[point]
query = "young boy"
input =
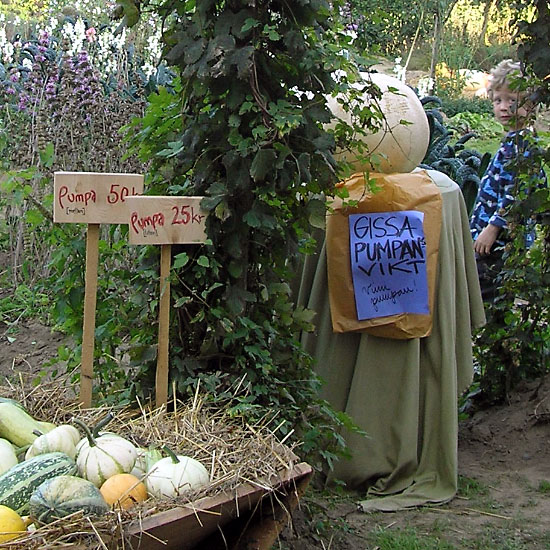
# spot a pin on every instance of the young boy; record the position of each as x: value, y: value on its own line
x: 498, y: 186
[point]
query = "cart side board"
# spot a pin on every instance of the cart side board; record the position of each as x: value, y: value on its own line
x: 183, y: 528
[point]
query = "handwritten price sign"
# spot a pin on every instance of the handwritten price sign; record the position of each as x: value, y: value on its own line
x: 166, y: 220
x: 91, y: 197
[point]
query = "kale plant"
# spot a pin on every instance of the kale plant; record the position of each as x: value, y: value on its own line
x: 464, y: 166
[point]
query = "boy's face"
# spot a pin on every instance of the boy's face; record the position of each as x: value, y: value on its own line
x: 511, y: 108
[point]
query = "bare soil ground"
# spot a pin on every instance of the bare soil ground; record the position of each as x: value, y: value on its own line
x: 504, y: 491
x: 504, y: 468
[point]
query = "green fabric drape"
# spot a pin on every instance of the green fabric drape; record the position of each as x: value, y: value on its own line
x: 403, y: 393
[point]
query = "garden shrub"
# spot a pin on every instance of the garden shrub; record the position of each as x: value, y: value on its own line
x: 66, y: 93
x: 247, y: 133
x: 464, y: 166
x: 453, y: 106
x: 514, y: 344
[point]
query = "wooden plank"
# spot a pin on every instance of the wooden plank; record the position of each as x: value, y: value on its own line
x: 88, y: 329
x: 166, y: 220
x: 94, y: 197
x: 183, y: 528
x: 268, y: 522
x: 161, y: 382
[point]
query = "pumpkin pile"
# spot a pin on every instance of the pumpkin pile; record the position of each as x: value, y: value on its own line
x: 64, y: 472
x: 113, y: 467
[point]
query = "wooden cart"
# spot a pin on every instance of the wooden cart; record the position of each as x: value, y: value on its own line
x: 249, y: 519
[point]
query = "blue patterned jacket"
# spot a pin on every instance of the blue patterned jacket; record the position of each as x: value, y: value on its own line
x: 497, y: 188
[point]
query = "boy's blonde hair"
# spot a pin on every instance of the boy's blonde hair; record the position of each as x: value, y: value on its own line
x: 500, y: 75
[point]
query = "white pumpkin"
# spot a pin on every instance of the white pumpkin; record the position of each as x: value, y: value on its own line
x: 99, y: 458
x: 397, y: 147
x: 8, y: 458
x: 62, y: 439
x: 174, y: 476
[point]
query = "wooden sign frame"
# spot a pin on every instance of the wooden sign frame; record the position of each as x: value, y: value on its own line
x: 92, y: 198
x: 165, y: 220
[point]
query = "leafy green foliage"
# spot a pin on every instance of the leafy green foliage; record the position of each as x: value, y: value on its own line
x: 21, y: 8
x: 513, y: 346
x: 245, y: 131
x: 464, y: 166
x: 533, y: 37
x: 385, y: 26
x: 534, y: 47
x: 480, y: 124
x: 453, y: 106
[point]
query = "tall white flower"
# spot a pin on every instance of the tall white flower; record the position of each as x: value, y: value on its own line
x: 6, y: 47
x: 399, y: 70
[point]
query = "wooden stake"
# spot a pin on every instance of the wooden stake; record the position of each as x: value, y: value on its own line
x: 88, y: 329
x: 161, y: 382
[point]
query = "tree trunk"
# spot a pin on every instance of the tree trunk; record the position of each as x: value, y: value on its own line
x: 485, y: 24
x: 435, y: 49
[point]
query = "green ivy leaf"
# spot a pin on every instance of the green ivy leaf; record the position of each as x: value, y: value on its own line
x: 271, y: 32
x: 250, y: 24
x: 234, y: 121
x: 304, y: 161
x: 252, y: 219
x: 262, y: 164
x: 316, y: 212
x: 235, y: 269
x: 180, y: 260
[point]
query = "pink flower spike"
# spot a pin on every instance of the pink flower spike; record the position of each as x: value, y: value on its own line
x: 91, y: 34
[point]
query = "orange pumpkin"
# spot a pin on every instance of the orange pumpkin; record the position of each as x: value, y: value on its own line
x: 123, y: 490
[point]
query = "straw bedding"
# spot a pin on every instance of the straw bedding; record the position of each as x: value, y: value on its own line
x: 233, y: 451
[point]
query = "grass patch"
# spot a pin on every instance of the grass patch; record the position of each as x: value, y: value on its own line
x: 469, y: 487
x: 485, y: 145
x: 502, y: 539
x: 410, y: 539
x: 544, y: 487
x: 23, y: 303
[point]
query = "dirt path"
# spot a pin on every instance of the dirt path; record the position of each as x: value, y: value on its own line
x: 503, y: 501
x: 26, y: 348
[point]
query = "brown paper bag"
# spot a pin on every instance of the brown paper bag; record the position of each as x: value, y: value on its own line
x: 392, y: 192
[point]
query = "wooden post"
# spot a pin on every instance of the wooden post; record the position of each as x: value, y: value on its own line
x: 88, y: 330
x: 165, y: 220
x: 92, y: 198
x: 161, y: 382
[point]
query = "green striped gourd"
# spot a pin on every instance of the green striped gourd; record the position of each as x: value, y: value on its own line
x: 19, y: 482
x: 64, y: 495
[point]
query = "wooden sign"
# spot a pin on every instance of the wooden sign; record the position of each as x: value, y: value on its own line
x: 92, y: 197
x: 166, y: 220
